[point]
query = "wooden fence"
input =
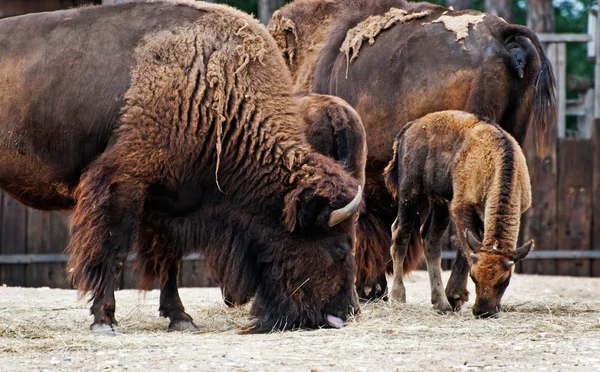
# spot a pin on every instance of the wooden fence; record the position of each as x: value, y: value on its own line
x: 564, y: 219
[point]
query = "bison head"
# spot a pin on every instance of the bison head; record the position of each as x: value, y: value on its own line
x: 308, y: 282
x: 491, y: 269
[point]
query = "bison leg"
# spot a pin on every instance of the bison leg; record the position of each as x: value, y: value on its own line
x: 456, y: 288
x: 439, y: 220
x: 103, y: 223
x: 170, y: 303
x: 401, y: 232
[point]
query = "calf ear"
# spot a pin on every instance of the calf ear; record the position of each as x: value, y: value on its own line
x: 523, y: 251
x: 472, y: 241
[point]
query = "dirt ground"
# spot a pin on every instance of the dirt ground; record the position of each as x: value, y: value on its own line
x: 549, y: 324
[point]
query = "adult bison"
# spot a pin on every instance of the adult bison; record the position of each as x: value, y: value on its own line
x: 396, y: 61
x: 176, y: 115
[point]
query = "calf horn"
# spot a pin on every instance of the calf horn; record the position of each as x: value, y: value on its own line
x: 342, y: 214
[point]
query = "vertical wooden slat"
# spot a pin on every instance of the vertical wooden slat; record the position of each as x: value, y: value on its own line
x: 575, y: 203
x: 47, y: 233
x: 540, y: 221
x: 59, y: 239
x: 596, y: 197
x: 560, y: 71
x: 13, y: 239
x: 195, y: 274
x: 38, y: 242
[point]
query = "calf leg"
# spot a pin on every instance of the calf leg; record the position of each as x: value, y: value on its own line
x: 170, y: 303
x: 456, y: 289
x: 439, y: 220
x: 401, y: 232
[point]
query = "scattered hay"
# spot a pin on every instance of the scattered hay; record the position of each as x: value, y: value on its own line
x: 371, y: 27
x: 460, y: 24
x: 550, y: 316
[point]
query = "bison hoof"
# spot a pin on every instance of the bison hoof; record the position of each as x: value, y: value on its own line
x: 398, y: 294
x: 457, y: 300
x: 183, y: 326
x: 444, y: 308
x: 105, y: 329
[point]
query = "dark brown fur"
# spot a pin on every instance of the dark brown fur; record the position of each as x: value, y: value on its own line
x: 411, y: 69
x: 452, y: 164
x: 179, y: 127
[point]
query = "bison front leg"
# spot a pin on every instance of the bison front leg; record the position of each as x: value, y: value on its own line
x: 464, y: 217
x: 103, y: 224
x: 438, y: 222
x: 170, y: 303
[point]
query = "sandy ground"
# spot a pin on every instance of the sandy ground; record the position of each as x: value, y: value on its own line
x: 549, y: 324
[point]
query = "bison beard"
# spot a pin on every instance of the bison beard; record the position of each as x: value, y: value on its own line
x: 178, y: 129
x: 395, y: 61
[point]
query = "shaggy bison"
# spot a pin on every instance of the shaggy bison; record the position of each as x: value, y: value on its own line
x: 452, y: 164
x: 175, y: 118
x: 396, y: 61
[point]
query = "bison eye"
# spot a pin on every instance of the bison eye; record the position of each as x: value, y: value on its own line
x: 339, y: 253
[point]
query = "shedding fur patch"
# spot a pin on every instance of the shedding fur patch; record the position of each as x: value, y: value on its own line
x: 253, y: 47
x: 460, y: 24
x: 371, y: 27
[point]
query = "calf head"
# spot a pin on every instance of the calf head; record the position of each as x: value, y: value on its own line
x: 309, y: 282
x: 491, y: 270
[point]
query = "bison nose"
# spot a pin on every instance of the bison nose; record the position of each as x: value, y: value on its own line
x: 485, y: 313
x: 339, y: 253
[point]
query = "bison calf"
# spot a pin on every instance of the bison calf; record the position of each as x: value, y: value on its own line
x: 455, y: 164
x: 180, y: 125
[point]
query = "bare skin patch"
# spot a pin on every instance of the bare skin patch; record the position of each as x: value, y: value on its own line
x: 371, y: 27
x: 460, y: 24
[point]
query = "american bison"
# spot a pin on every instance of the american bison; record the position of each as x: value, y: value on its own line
x: 396, y: 61
x: 176, y: 117
x: 332, y: 128
x: 452, y: 164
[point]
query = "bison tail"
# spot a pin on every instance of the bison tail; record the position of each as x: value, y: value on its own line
x: 414, y: 254
x: 391, y: 173
x: 544, y: 111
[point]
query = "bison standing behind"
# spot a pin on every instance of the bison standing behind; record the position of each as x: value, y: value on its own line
x: 178, y: 125
x: 395, y: 61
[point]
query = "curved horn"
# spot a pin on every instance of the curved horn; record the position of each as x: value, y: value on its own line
x: 342, y: 214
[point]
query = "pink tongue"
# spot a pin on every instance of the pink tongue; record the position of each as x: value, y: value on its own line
x: 335, y: 322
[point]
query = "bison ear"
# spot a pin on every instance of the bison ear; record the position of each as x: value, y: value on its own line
x: 303, y: 209
x: 523, y: 251
x: 284, y: 32
x: 472, y: 241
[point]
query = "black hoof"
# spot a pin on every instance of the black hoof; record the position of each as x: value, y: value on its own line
x: 105, y: 329
x: 183, y: 326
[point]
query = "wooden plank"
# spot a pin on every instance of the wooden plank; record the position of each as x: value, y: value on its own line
x: 575, y: 203
x: 540, y: 221
x: 47, y: 234
x: 38, y: 242
x: 564, y: 38
x: 13, y: 237
x: 195, y: 274
x: 596, y: 196
x: 560, y: 69
x: 60, y: 233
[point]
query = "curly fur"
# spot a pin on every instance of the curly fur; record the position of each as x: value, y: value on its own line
x: 313, y: 31
x: 181, y: 128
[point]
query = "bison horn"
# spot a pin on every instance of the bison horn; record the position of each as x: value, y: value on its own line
x: 342, y: 214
